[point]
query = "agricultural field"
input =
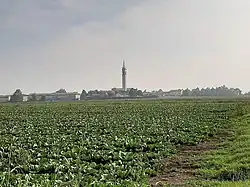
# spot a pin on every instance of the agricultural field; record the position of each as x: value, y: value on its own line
x: 101, y: 143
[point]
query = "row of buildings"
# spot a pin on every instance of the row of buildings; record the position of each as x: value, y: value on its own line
x: 69, y: 96
x: 114, y: 93
x: 62, y: 95
x: 120, y: 93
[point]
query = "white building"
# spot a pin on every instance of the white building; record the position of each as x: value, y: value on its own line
x: 173, y: 93
x: 4, y: 98
x: 70, y: 96
x: 25, y: 98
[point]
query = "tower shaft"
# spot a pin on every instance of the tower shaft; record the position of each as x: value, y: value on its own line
x: 124, y: 74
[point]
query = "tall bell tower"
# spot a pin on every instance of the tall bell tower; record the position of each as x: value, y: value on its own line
x: 124, y: 74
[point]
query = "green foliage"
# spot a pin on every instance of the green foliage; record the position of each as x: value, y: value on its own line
x: 218, y: 91
x: 61, y: 91
x: 186, y: 92
x: 139, y: 93
x: 83, y: 95
x: 99, y: 143
x: 43, y: 98
x: 133, y: 92
x: 229, y: 165
x: 17, y: 96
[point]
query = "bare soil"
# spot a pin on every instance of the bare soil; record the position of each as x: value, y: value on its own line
x: 181, y: 167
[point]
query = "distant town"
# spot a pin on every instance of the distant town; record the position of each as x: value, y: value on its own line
x: 121, y: 93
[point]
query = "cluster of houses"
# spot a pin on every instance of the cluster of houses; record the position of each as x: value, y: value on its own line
x: 173, y: 93
x: 115, y: 93
x: 6, y: 98
x: 69, y: 96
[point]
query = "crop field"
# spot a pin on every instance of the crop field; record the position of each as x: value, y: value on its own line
x: 100, y: 143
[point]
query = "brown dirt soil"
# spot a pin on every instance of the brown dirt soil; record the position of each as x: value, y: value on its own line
x: 181, y: 167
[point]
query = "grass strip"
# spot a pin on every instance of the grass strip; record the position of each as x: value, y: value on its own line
x: 229, y: 165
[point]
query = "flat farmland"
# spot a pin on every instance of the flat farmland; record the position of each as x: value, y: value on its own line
x: 106, y: 143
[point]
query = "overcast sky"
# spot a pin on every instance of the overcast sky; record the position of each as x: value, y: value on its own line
x: 74, y: 44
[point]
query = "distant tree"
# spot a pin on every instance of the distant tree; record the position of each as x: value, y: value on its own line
x: 237, y: 91
x: 114, y: 90
x: 218, y: 91
x: 103, y: 94
x: 213, y: 92
x: 43, y: 98
x: 61, y: 91
x: 17, y: 96
x: 33, y: 97
x: 203, y: 92
x: 223, y: 91
x: 90, y: 93
x: 139, y: 93
x: 207, y: 92
x: 111, y: 94
x: 186, y: 92
x: 133, y: 92
x: 196, y: 92
x: 247, y: 93
x: 83, y: 95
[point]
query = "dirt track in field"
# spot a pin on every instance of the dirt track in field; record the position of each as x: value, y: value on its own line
x: 182, y: 167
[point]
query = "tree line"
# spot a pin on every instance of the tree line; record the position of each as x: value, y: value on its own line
x: 134, y: 92
x: 218, y: 91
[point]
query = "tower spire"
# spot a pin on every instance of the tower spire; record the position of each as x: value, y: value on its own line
x: 123, y: 64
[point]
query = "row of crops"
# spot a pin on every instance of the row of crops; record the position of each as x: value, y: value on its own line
x: 99, y: 143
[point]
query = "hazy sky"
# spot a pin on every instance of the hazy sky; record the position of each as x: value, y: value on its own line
x: 74, y: 44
